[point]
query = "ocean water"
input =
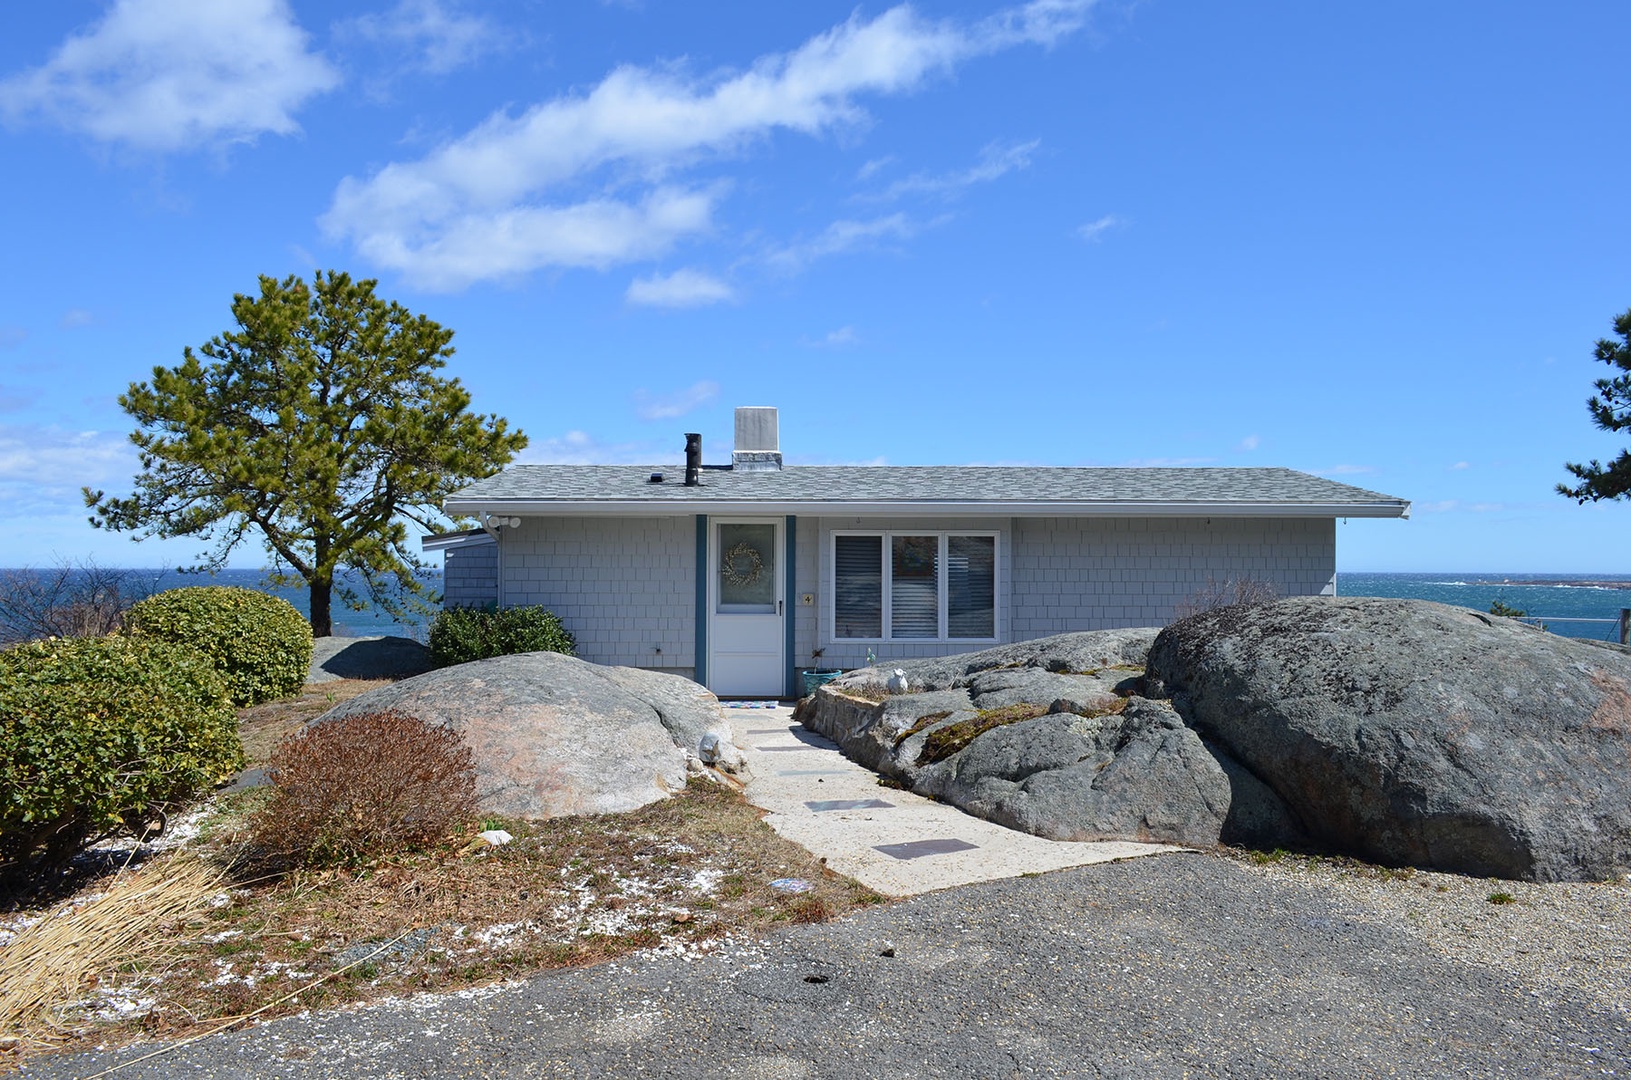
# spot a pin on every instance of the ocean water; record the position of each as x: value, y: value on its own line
x: 347, y: 623
x: 1574, y: 605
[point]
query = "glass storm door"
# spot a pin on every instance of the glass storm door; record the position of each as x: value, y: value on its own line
x: 746, y: 609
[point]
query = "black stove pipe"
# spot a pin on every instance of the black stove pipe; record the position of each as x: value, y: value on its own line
x: 693, y: 458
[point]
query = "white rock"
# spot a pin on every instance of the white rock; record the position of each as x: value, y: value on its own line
x: 708, y: 749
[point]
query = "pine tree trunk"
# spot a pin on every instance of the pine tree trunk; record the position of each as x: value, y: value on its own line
x: 322, y: 597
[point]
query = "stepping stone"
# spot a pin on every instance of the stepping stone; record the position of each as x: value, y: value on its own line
x: 917, y: 849
x: 784, y: 749
x: 768, y: 731
x: 849, y: 804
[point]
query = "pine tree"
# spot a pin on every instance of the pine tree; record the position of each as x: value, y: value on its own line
x: 1611, y: 411
x: 318, y: 425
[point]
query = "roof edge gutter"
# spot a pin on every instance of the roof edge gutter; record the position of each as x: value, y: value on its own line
x: 1391, y: 508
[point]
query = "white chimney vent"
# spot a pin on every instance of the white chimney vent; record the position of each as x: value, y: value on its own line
x: 758, y: 441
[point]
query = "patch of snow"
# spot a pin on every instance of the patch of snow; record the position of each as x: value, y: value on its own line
x: 423, y: 1002
x: 612, y: 923
x: 118, y: 1003
x: 504, y: 933
x: 13, y: 925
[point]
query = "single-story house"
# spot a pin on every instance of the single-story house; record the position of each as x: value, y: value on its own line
x: 740, y: 575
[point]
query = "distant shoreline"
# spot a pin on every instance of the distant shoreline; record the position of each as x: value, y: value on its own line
x: 1553, y: 582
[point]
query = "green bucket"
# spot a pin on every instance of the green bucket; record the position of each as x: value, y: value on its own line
x: 815, y: 680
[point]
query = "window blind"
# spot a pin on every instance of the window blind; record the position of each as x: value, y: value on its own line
x: 858, y: 586
x: 914, y: 608
x: 971, y: 586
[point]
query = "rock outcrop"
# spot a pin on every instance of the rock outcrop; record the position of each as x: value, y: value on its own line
x: 390, y: 657
x: 1042, y: 736
x: 1400, y: 731
x: 553, y: 735
x: 1412, y: 733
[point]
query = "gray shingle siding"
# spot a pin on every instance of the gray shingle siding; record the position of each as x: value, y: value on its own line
x: 470, y: 576
x: 1101, y: 573
x: 624, y: 587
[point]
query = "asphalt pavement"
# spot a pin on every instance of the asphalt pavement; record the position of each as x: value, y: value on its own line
x: 1184, y: 965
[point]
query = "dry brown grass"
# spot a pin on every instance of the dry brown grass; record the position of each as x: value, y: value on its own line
x: 688, y: 874
x: 262, y: 727
x: 680, y: 874
x: 51, y: 967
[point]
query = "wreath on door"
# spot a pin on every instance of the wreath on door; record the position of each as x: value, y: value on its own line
x: 743, y: 565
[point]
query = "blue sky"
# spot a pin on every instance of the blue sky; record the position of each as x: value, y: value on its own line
x: 1370, y: 241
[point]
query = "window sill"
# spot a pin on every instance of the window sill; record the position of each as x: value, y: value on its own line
x: 913, y: 641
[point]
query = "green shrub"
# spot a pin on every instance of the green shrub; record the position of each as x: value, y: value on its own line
x: 459, y: 635
x: 99, y: 735
x: 260, y: 644
x: 364, y: 785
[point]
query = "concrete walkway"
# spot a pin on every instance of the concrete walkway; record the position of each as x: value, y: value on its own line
x: 895, y: 842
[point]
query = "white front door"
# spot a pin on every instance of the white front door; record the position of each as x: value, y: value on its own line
x: 745, y: 600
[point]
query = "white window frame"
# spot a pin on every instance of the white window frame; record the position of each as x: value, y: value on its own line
x: 941, y: 563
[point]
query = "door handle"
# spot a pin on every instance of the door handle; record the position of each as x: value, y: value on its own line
x: 778, y: 607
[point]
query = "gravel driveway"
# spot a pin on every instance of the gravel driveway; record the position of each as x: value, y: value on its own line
x: 1178, y: 965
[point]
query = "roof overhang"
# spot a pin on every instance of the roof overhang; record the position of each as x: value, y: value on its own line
x: 449, y: 541
x: 920, y: 508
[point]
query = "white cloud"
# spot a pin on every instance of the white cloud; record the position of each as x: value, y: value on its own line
x: 74, y: 318
x: 1456, y: 506
x: 844, y: 236
x: 816, y: 459
x: 439, y: 39
x: 44, y: 467
x: 995, y: 161
x: 581, y: 448
x: 1461, y: 465
x: 1249, y: 443
x: 873, y: 167
x: 484, y: 194
x: 681, y: 289
x: 679, y: 403
x: 1168, y: 462
x: 513, y: 240
x: 1094, y: 231
x: 166, y: 75
x: 1345, y: 470
x: 843, y: 337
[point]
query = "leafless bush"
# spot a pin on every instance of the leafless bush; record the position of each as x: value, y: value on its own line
x: 69, y: 600
x: 362, y: 786
x: 1227, y: 593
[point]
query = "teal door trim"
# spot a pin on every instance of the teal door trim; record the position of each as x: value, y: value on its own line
x: 702, y: 600
x: 792, y: 689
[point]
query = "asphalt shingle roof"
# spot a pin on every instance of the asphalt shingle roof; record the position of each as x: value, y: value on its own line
x: 841, y: 484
